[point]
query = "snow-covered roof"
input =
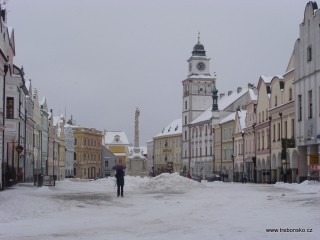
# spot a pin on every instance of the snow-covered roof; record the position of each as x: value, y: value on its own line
x: 173, y: 128
x: 10, y: 31
x: 223, y: 103
x: 116, y: 137
x: 266, y: 78
x: 200, y: 76
x: 57, y: 119
x: 253, y: 95
x: 28, y: 85
x: 242, y: 119
x: 228, y: 118
x: 269, y: 79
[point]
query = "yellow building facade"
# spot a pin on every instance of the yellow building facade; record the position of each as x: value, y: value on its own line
x: 117, y: 143
x: 88, y: 149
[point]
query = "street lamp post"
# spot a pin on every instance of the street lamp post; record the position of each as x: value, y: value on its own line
x: 232, y: 157
x: 255, y: 154
x: 270, y: 118
x: 283, y: 156
x: 242, y: 154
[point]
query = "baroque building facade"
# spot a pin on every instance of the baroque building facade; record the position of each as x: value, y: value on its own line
x: 88, y: 142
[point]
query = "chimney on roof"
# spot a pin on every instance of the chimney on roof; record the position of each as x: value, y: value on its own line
x: 239, y: 89
x: 229, y: 93
x: 222, y: 95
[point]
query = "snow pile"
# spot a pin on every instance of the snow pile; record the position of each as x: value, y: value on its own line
x: 305, y: 187
x: 169, y: 182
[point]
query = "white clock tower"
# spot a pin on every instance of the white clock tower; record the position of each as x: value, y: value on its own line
x: 197, y: 95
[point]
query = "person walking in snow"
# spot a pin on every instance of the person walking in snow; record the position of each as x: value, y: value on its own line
x: 244, y: 178
x: 120, y: 182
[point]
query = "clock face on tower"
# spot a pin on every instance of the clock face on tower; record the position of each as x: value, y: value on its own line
x: 201, y: 66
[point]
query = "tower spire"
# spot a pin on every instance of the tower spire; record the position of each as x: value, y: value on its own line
x: 198, y: 37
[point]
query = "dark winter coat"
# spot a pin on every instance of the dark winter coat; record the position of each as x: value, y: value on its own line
x: 120, y: 177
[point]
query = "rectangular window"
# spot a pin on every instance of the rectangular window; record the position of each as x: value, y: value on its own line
x: 185, y: 135
x: 310, y: 103
x: 309, y: 54
x: 290, y: 94
x: 292, y: 128
x: 279, y: 130
x: 185, y: 120
x: 185, y: 105
x: 106, y: 163
x: 274, y: 132
x: 10, y: 107
x: 285, y: 129
x: 299, y: 107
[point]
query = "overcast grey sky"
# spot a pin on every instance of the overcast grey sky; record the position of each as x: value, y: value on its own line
x: 101, y: 59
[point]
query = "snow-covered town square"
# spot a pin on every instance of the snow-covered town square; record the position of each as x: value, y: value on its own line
x: 158, y: 120
x: 165, y: 207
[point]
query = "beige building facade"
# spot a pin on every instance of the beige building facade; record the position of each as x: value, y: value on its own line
x: 88, y: 142
x: 168, y: 148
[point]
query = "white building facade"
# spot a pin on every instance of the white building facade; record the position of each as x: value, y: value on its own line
x: 307, y: 93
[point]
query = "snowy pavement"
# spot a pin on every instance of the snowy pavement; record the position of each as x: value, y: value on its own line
x: 165, y: 207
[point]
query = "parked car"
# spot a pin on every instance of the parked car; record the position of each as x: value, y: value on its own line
x: 196, y: 178
x: 213, y: 178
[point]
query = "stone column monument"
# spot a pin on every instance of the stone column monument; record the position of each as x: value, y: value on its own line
x: 137, y: 161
